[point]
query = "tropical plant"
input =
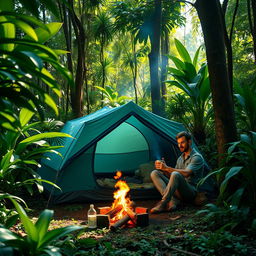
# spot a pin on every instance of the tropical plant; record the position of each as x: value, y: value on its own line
x: 246, y: 106
x: 22, y: 64
x: 38, y: 240
x: 142, y: 20
x: 21, y: 150
x: 111, y: 97
x: 227, y: 217
x: 24, y: 86
x: 216, y: 243
x: 195, y: 86
x: 8, y: 217
x: 103, y: 32
x: 237, y: 178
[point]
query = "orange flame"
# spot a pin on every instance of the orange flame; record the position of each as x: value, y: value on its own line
x: 120, y: 196
x: 118, y: 175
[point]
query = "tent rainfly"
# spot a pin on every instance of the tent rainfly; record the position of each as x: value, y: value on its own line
x: 108, y: 140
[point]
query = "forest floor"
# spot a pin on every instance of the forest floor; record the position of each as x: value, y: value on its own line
x: 182, y: 232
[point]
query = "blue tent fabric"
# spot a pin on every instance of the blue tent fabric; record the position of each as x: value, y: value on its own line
x: 76, y: 171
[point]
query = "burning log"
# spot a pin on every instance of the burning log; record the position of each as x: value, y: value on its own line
x: 120, y: 223
x: 131, y: 214
x: 114, y: 211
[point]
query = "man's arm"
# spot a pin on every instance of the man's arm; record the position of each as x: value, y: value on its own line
x: 196, y: 163
x: 163, y: 167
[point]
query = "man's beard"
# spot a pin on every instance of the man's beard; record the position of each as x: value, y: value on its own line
x: 184, y: 149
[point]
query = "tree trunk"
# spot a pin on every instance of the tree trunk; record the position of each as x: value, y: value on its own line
x: 212, y: 26
x: 65, y: 14
x: 228, y: 44
x: 103, y: 69
x: 77, y: 92
x: 135, y: 70
x: 164, y: 64
x: 224, y: 6
x: 154, y: 58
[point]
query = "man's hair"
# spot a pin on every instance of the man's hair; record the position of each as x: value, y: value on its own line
x: 185, y: 134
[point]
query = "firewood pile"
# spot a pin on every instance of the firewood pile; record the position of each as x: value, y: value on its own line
x: 131, y: 217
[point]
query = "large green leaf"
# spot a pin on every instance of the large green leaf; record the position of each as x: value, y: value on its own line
x: 44, y: 35
x: 43, y: 223
x: 37, y: 181
x: 6, y: 31
x: 34, y: 59
x: 231, y: 173
x: 178, y: 63
x: 174, y: 71
x: 23, y: 97
x: 189, y: 71
x: 23, y: 44
x: 57, y: 233
x: 182, y: 51
x: 195, y: 60
x: 38, y: 152
x: 25, y: 116
x: 4, y: 163
x: 22, y: 25
x: 51, y: 103
x: 28, y: 141
x: 205, y: 90
x: 179, y: 85
x: 27, y: 223
x: 236, y: 197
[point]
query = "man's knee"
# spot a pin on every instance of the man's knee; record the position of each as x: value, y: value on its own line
x: 176, y: 175
x: 154, y: 174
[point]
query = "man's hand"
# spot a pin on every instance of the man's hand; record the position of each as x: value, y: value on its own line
x: 160, y: 165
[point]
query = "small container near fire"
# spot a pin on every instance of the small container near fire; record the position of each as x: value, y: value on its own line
x: 92, y: 217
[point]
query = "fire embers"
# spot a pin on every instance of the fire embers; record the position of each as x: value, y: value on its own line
x: 123, y: 212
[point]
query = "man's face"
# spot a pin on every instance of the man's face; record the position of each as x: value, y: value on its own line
x: 183, y: 144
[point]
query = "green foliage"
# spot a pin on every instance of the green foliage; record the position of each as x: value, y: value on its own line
x: 22, y: 65
x: 242, y: 42
x: 33, y: 6
x: 8, y: 217
x: 229, y: 217
x: 137, y: 17
x: 237, y: 185
x: 196, y: 98
x: 246, y: 106
x: 216, y: 243
x: 25, y: 86
x: 102, y: 28
x: 237, y: 178
x: 21, y: 152
x: 38, y: 240
x: 111, y: 97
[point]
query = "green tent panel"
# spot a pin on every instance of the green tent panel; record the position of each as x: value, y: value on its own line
x: 125, y: 148
x: 108, y: 140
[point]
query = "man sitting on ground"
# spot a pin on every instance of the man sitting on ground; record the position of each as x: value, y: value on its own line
x: 179, y: 183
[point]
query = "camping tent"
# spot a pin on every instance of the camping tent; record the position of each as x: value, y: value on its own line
x: 110, y: 139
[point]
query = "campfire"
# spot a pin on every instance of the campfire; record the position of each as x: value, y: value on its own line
x: 123, y: 212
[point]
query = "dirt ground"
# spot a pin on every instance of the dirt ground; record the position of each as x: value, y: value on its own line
x: 78, y: 212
